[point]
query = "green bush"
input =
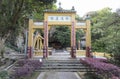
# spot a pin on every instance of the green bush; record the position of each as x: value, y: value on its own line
x: 91, y: 76
x: 3, y: 75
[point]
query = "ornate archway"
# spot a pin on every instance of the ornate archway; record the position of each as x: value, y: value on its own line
x: 60, y: 17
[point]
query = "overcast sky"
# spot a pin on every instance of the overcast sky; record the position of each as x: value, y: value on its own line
x: 84, y: 6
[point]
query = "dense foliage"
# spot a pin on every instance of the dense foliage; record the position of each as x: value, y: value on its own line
x: 61, y: 35
x: 105, y: 29
x: 106, y: 32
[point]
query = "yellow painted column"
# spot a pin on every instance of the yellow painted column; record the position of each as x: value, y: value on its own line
x: 88, y: 38
x: 88, y: 34
x: 30, y: 38
x: 35, y: 40
x: 30, y: 33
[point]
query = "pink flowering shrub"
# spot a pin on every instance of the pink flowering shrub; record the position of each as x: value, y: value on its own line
x: 101, y: 66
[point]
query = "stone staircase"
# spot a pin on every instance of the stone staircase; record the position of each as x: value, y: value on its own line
x: 62, y: 62
x: 62, y: 66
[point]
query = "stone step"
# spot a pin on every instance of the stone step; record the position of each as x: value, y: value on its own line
x: 57, y: 64
x: 65, y: 64
x: 65, y: 70
x: 62, y: 60
x: 62, y: 63
x: 68, y: 65
x: 63, y: 67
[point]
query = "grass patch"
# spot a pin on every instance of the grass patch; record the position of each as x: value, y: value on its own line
x: 91, y: 76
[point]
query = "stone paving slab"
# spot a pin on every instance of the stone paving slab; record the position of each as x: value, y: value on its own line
x: 58, y: 75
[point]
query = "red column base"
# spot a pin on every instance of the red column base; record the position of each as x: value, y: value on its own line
x: 88, y: 52
x: 29, y: 51
x: 45, y: 52
x: 73, y: 52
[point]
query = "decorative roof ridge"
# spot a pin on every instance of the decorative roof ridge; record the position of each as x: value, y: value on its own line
x: 60, y: 10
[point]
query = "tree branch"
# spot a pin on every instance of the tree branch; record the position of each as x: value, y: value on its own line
x: 15, y: 17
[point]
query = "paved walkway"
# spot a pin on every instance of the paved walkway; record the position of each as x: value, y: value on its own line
x: 58, y: 75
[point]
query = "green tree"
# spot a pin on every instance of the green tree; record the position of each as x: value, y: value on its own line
x: 112, y: 36
x: 106, y: 32
x: 62, y: 35
x: 98, y: 29
x: 14, y: 15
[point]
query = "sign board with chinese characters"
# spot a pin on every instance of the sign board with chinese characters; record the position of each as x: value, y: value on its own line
x: 60, y: 18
